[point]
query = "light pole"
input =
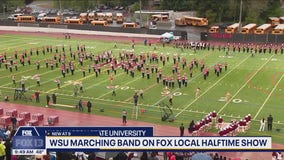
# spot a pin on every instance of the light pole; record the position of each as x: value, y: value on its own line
x: 4, y: 9
x: 60, y: 5
x: 240, y: 18
x: 140, y: 4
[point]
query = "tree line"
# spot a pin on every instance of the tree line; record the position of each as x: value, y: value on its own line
x: 253, y: 11
x: 217, y: 11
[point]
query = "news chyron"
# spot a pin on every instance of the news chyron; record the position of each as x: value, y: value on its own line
x: 31, y: 140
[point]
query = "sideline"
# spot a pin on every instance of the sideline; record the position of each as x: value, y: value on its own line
x: 73, y: 31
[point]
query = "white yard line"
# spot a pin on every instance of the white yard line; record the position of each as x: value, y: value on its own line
x: 203, y: 93
x: 267, y: 98
x: 226, y: 104
x: 34, y: 79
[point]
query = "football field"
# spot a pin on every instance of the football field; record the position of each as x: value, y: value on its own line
x: 255, y: 84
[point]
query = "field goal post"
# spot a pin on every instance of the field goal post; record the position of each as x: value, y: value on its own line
x: 135, y: 111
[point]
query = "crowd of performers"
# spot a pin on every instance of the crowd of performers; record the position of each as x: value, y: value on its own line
x: 234, y: 126
x: 261, y: 48
x: 149, y: 64
x: 225, y: 129
x: 146, y: 63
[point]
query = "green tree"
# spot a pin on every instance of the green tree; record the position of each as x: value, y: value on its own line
x: 135, y: 7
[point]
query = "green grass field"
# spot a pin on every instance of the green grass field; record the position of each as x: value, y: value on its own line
x: 255, y: 83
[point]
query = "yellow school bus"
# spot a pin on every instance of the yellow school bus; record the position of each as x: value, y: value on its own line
x: 249, y: 28
x: 74, y: 21
x: 281, y: 20
x: 180, y: 22
x: 91, y: 16
x: 26, y: 19
x: 159, y: 17
x: 84, y: 17
x: 279, y: 29
x: 263, y: 29
x: 119, y: 18
x: 100, y: 16
x: 274, y: 21
x: 214, y: 29
x: 129, y: 25
x: 99, y: 23
x: 108, y: 17
x: 54, y: 20
x: 232, y: 28
x: 196, y: 21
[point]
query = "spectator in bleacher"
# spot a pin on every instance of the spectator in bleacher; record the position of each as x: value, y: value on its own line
x: 14, y: 121
x: 2, y: 150
x: 92, y: 156
x: 173, y: 156
x: 144, y: 156
x: 120, y: 156
x: 153, y: 156
x: 8, y: 145
x: 216, y: 156
x: 8, y: 131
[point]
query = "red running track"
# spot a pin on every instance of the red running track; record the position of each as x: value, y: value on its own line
x: 69, y: 118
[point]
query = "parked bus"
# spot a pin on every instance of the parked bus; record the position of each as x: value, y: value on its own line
x: 74, y: 21
x: 180, y: 22
x: 249, y: 28
x: 119, y: 18
x: 100, y: 16
x: 274, y: 21
x: 108, y: 17
x: 279, y: 29
x: 263, y: 29
x: 51, y: 20
x: 232, y: 28
x: 129, y: 25
x: 91, y: 16
x: 99, y: 23
x: 26, y: 19
x: 281, y: 20
x: 195, y: 21
x: 159, y: 17
x: 214, y: 29
x: 84, y: 17
x: 14, y: 16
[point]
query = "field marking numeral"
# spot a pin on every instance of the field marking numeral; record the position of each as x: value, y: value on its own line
x: 236, y: 100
